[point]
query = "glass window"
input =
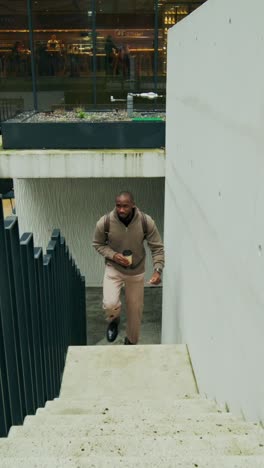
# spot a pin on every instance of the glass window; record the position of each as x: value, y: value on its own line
x: 64, y: 53
x: 125, y: 48
x: 15, y: 59
x: 86, y: 51
x: 170, y: 13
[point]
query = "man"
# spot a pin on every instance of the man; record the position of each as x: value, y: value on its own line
x: 110, y: 55
x: 53, y: 43
x: 118, y: 237
x: 53, y: 49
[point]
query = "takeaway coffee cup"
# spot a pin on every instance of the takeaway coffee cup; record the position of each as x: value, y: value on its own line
x: 128, y: 255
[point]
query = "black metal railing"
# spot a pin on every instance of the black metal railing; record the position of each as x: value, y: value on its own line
x: 42, y: 312
x: 9, y: 108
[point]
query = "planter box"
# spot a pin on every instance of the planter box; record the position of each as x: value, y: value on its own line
x: 83, y: 135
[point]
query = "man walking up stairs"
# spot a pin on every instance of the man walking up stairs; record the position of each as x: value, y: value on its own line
x: 130, y: 407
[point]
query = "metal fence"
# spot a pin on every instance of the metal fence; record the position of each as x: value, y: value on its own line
x: 42, y: 312
x: 10, y: 108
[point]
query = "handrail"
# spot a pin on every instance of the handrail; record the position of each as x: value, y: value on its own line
x: 42, y: 312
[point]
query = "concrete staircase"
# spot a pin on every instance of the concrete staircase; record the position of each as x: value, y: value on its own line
x: 132, y: 406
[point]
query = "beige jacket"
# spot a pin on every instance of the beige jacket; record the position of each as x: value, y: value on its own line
x: 122, y: 238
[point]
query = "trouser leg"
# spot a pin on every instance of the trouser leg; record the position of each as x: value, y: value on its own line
x: 134, y: 291
x: 112, y: 285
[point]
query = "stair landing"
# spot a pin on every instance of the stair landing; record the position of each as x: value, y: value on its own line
x: 156, y: 371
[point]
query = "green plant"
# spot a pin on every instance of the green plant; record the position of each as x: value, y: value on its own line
x: 81, y: 115
x: 80, y: 112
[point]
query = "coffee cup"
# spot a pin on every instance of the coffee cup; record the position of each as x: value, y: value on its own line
x: 128, y: 255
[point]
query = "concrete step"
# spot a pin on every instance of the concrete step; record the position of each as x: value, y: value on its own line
x: 133, y: 407
x: 97, y: 420
x: 146, y: 428
x: 140, y: 411
x: 179, y: 446
x: 154, y: 370
x: 90, y: 420
x: 117, y: 400
x: 132, y: 462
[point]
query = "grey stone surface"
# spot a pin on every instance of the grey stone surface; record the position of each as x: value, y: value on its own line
x: 132, y: 406
x: 127, y: 372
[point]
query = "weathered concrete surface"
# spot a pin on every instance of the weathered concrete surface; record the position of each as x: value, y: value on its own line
x: 132, y: 406
x: 142, y: 371
x: 82, y: 163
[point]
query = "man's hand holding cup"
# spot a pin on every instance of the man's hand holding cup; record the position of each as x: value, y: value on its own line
x: 122, y: 259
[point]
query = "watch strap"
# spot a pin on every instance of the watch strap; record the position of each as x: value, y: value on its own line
x: 159, y: 270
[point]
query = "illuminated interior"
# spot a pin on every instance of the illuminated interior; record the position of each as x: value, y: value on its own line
x: 87, y: 48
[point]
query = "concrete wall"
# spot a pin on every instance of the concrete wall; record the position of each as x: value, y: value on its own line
x: 214, y: 237
x: 74, y: 205
x: 60, y: 164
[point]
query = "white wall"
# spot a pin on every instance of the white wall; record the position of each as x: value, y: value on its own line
x: 213, y: 284
x: 75, y: 205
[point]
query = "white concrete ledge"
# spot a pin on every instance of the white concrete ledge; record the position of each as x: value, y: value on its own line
x: 78, y: 163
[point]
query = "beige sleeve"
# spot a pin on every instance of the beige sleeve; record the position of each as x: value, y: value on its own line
x: 99, y: 241
x: 155, y: 244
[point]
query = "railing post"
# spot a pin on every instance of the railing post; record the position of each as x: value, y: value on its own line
x: 74, y: 318
x: 52, y: 251
x: 51, y: 353
x: 64, y: 278
x: 38, y: 256
x: 5, y: 420
x: 60, y: 293
x: 80, y: 307
x: 68, y: 297
x: 83, y: 311
x: 20, y: 322
x: 31, y: 307
x: 9, y: 346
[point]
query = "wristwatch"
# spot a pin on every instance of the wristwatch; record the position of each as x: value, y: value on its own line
x: 159, y: 270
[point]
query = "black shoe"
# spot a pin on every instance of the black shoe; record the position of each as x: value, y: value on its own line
x: 112, y: 330
x: 126, y: 341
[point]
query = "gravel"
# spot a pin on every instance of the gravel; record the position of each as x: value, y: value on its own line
x: 82, y: 116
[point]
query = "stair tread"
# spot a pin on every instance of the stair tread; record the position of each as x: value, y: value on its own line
x: 129, y: 445
x: 134, y: 406
x: 116, y: 401
x: 131, y: 462
x: 146, y: 428
x: 81, y: 419
x: 152, y: 413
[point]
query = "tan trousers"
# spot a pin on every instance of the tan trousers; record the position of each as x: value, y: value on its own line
x: 134, y: 294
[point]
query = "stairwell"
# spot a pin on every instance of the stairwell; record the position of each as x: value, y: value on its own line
x: 132, y: 406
